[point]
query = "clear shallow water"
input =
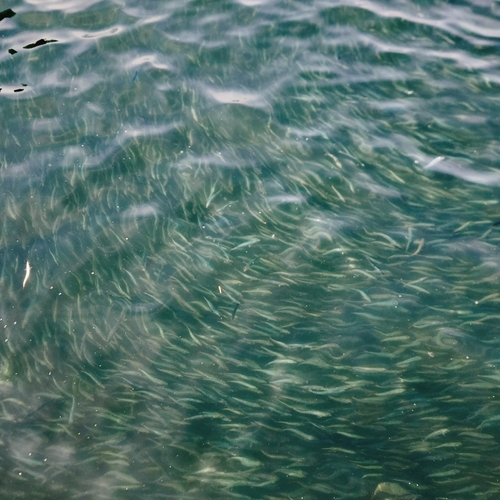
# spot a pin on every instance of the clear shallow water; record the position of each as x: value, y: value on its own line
x: 244, y: 281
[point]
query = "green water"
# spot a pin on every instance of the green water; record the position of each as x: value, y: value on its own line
x: 249, y: 250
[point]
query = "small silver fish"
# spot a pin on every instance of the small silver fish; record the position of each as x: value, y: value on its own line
x: 28, y: 272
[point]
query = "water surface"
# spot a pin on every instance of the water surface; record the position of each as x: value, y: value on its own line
x: 263, y: 255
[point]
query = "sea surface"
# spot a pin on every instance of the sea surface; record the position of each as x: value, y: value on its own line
x: 249, y: 249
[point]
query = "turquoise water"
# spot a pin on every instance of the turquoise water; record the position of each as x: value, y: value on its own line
x: 249, y: 250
